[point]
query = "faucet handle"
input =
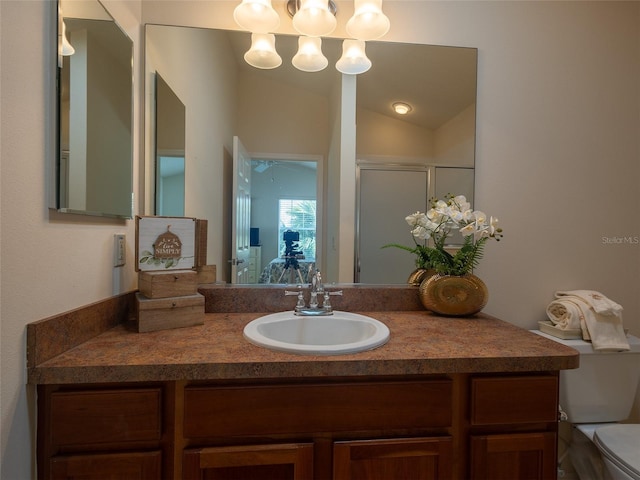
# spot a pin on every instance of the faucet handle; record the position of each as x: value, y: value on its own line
x: 326, y: 302
x: 299, y: 294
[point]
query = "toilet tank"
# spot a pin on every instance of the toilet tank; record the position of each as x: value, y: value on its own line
x: 603, y: 388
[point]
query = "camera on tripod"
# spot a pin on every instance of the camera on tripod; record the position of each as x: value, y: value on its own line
x: 291, y: 251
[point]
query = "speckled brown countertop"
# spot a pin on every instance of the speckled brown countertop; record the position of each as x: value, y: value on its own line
x: 420, y: 343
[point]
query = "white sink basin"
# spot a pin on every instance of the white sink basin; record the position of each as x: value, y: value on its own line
x: 340, y: 333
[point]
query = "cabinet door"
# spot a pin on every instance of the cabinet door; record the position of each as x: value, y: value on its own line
x: 269, y: 462
x: 525, y: 456
x: 116, y: 466
x: 393, y: 459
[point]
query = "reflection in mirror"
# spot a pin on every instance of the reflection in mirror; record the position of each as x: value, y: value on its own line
x: 283, y: 198
x: 406, y: 157
x: 95, y: 163
x: 170, y: 144
x: 287, y: 114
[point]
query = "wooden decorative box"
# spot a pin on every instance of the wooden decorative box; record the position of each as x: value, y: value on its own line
x: 174, y: 283
x: 206, y: 274
x: 172, y: 312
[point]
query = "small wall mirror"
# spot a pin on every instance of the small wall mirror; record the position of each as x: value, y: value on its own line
x: 94, y: 165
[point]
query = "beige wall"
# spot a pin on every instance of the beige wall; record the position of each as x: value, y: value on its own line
x: 49, y: 263
x: 558, y: 160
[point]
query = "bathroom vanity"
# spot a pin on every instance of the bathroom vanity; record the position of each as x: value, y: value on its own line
x: 444, y: 398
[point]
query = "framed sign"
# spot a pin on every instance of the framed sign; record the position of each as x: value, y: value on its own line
x: 165, y: 243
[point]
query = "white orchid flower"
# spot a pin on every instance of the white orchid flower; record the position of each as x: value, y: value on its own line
x: 441, y: 207
x: 414, y: 218
x: 467, y: 215
x: 441, y: 219
x: 434, y: 215
x: 481, y: 217
x: 454, y: 213
x: 468, y: 229
x: 421, y: 233
x: 461, y: 203
x: 493, y: 226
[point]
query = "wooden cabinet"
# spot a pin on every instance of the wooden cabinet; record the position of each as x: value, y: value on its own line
x: 525, y: 456
x: 268, y: 462
x: 413, y: 458
x: 514, y: 427
x: 100, y: 432
x: 115, y: 466
x: 456, y: 426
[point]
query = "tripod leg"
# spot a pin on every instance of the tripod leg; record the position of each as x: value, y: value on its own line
x: 299, y: 275
x: 284, y: 270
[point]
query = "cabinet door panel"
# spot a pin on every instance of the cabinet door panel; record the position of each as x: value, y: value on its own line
x: 117, y: 466
x: 269, y: 462
x: 525, y: 456
x: 393, y: 459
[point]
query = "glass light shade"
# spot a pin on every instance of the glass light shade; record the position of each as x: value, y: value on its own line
x: 314, y: 18
x: 401, y: 108
x: 309, y: 57
x: 368, y: 21
x: 67, y: 48
x: 257, y: 16
x: 262, y: 53
x: 354, y: 59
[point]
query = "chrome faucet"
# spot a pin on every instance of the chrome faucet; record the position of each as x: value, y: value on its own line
x: 316, y: 288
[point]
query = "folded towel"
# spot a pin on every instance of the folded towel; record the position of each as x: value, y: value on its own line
x: 596, y: 300
x: 599, y: 318
x: 566, y: 315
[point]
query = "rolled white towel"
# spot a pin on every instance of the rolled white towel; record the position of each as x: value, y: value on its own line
x: 596, y: 300
x: 568, y: 313
x: 565, y: 314
x: 603, y: 327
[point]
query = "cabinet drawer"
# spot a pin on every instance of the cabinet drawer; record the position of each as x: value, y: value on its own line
x: 132, y: 466
x: 270, y: 410
x: 510, y: 400
x: 105, y: 416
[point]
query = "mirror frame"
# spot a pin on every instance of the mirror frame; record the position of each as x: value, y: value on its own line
x: 54, y: 163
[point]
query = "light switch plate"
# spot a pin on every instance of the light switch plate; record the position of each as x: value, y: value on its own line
x: 119, y: 250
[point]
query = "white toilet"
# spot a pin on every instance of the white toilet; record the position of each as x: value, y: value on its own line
x: 600, y: 393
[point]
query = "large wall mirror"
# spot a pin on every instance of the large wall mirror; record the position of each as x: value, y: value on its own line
x: 94, y: 165
x: 297, y: 127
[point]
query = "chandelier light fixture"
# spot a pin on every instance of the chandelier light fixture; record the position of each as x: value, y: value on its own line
x: 262, y: 53
x: 257, y: 16
x: 354, y: 60
x: 67, y: 48
x: 368, y: 21
x: 312, y: 19
x: 309, y: 57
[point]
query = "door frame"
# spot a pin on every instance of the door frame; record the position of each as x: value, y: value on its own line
x: 388, y: 165
x: 320, y: 205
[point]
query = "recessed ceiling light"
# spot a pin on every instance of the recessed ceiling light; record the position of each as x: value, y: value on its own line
x: 401, y: 108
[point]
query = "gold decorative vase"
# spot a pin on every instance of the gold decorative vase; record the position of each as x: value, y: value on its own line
x: 418, y: 275
x: 452, y: 295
